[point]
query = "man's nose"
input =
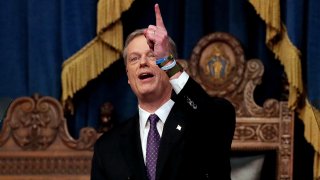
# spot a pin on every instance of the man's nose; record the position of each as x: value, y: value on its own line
x: 143, y: 60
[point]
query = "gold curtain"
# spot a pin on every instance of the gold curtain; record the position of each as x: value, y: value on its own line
x: 278, y: 41
x: 99, y: 53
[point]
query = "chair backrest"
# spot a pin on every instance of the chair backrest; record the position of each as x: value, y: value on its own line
x: 218, y: 63
x: 35, y: 143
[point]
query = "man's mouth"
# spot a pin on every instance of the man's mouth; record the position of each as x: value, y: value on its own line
x: 143, y: 76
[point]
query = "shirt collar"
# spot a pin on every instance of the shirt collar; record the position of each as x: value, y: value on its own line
x: 162, y: 113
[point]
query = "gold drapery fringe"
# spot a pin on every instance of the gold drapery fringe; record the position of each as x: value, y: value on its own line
x: 311, y: 120
x: 85, y: 64
x: 289, y: 57
x: 109, y: 14
x: 278, y: 41
x: 99, y: 53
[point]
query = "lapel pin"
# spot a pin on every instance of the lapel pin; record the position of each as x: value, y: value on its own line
x: 191, y: 103
x: 179, y: 127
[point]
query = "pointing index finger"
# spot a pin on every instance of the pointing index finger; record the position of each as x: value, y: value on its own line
x: 159, y: 21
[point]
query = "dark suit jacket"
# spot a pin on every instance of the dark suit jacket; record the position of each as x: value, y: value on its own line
x: 199, y: 150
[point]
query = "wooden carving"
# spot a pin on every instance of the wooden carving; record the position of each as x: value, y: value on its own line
x: 35, y: 141
x: 218, y: 64
x: 106, y: 119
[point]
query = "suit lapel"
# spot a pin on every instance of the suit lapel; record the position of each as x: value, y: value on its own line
x: 131, y: 149
x: 172, y: 132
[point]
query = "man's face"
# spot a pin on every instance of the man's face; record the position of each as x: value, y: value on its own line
x: 146, y: 79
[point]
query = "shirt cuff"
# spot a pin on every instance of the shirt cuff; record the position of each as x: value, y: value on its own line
x: 178, y: 83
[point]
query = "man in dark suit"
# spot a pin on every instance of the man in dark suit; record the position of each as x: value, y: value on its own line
x: 191, y: 138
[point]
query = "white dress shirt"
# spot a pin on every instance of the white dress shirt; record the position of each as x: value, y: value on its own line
x: 162, y: 113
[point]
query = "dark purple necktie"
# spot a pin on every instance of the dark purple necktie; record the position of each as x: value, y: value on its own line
x: 153, y: 143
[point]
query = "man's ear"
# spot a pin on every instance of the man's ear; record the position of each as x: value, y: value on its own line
x: 127, y: 75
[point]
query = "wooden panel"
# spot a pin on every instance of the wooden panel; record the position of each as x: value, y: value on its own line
x: 218, y: 63
x: 35, y: 142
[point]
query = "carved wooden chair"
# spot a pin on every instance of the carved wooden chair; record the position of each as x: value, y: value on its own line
x: 218, y: 64
x: 35, y: 143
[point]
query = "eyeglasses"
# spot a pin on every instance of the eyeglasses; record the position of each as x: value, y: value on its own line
x: 135, y: 58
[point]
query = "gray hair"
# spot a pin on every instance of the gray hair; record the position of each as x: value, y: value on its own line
x: 139, y: 32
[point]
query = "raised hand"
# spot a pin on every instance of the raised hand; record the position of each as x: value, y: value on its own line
x: 157, y: 36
